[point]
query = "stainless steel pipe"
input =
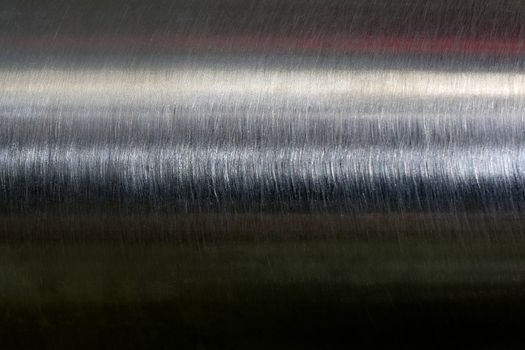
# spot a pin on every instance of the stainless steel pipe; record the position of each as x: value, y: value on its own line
x: 328, y: 120
x: 359, y: 156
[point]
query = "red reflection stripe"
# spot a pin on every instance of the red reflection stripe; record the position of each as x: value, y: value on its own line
x: 249, y: 43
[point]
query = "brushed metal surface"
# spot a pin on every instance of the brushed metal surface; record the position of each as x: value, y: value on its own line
x: 168, y: 130
x: 359, y: 156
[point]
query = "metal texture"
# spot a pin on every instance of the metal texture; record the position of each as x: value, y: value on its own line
x: 312, y: 153
x: 245, y: 119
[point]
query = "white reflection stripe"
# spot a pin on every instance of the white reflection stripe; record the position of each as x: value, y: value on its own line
x: 99, y: 85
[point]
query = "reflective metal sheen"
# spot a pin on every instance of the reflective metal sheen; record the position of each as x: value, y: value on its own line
x: 286, y: 119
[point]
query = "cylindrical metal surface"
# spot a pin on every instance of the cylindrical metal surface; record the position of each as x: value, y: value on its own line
x: 301, y: 155
x: 340, y: 119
